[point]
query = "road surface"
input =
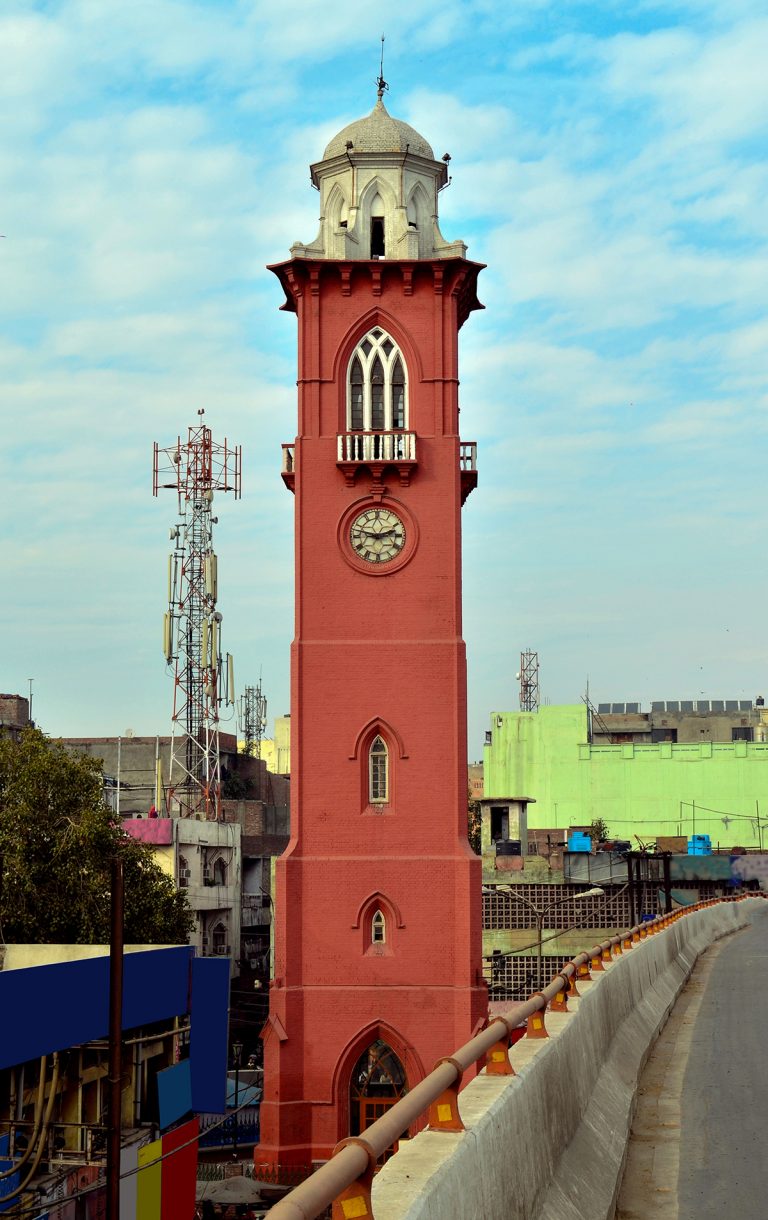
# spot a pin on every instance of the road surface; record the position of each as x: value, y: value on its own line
x: 723, y: 1166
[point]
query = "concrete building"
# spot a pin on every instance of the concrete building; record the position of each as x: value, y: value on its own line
x: 14, y: 715
x: 475, y: 781
x: 680, y: 720
x: 205, y: 859
x: 276, y: 751
x: 136, y: 769
x: 711, y: 779
x: 224, y: 867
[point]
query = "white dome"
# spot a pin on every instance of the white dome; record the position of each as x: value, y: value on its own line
x: 379, y: 132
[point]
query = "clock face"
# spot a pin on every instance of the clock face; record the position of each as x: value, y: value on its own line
x: 377, y: 535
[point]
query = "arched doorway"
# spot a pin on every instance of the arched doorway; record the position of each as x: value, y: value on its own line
x: 378, y: 1081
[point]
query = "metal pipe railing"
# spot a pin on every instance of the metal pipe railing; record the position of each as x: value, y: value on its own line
x: 353, y: 1161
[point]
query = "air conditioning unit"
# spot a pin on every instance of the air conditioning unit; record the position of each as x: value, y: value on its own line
x: 184, y: 875
x: 208, y: 877
x: 221, y: 950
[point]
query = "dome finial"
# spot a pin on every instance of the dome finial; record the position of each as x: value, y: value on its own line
x: 381, y: 85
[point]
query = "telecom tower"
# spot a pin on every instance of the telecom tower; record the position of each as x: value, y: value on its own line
x: 253, y: 718
x: 203, y: 676
x: 529, y: 681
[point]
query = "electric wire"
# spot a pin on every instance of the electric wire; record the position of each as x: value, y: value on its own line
x: 16, y: 1214
x: 6, y: 1173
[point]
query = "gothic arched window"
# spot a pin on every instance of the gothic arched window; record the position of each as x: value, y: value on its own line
x: 378, y: 928
x: 377, y: 390
x: 378, y: 772
x: 220, y: 947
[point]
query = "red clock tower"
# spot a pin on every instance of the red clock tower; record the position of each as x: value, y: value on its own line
x: 377, y: 937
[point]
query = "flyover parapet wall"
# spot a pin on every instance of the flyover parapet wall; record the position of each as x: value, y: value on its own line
x: 541, y: 1134
x: 550, y: 1142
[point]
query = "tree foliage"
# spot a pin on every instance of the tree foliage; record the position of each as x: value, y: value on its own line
x: 599, y: 830
x: 57, y: 841
x: 474, y: 823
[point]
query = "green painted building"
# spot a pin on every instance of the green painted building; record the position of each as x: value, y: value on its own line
x: 645, y: 789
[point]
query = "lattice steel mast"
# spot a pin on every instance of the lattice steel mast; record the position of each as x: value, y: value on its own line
x: 529, y: 681
x: 253, y: 719
x: 203, y: 676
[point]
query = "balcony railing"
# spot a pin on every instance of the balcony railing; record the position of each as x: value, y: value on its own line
x: 377, y: 447
x: 255, y: 912
x: 467, y: 467
x: 288, y: 472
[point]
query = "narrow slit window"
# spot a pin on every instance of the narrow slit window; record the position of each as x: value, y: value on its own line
x: 377, y: 237
x: 356, y: 397
x: 378, y: 929
x: 398, y: 395
x: 377, y: 397
x: 378, y: 762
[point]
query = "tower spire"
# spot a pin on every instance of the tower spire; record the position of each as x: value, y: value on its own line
x: 381, y: 85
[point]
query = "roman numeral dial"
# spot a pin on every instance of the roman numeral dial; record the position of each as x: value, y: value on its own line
x: 377, y: 535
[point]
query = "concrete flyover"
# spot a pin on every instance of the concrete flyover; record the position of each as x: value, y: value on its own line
x: 549, y: 1142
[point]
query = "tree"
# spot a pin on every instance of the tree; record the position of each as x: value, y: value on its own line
x: 57, y: 840
x: 599, y: 830
x: 474, y: 823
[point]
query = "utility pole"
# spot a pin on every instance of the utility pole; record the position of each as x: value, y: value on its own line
x: 115, y: 1076
x: 667, y: 865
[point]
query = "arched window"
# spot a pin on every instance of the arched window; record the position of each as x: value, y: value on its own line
x: 378, y: 928
x: 219, y: 872
x: 378, y: 772
x: 219, y: 946
x: 377, y: 389
x: 378, y: 1081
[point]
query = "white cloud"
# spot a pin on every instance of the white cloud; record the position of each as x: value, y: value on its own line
x: 710, y: 89
x: 156, y: 157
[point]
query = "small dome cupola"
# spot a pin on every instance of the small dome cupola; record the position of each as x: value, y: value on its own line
x: 378, y: 132
x: 379, y: 182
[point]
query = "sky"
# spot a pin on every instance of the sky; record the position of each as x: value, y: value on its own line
x: 609, y: 165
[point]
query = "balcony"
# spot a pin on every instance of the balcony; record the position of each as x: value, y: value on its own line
x: 256, y: 911
x: 288, y: 472
x: 376, y: 450
x: 467, y: 467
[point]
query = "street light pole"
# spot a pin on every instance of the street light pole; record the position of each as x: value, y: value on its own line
x: 539, y: 948
x: 237, y: 1050
x: 540, y: 912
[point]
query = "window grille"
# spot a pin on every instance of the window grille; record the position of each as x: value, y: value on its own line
x: 503, y: 912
